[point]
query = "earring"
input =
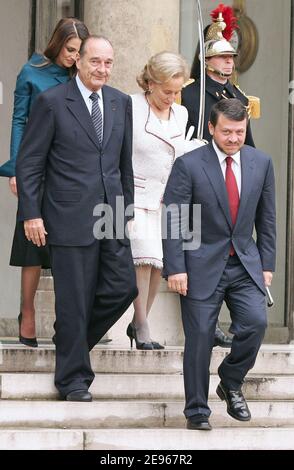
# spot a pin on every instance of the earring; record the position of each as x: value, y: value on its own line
x: 150, y: 91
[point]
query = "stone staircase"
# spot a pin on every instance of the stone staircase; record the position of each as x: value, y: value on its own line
x: 138, y: 402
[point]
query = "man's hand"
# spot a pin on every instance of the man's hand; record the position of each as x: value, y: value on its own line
x: 178, y: 283
x: 35, y: 231
x: 12, y: 185
x: 267, y: 276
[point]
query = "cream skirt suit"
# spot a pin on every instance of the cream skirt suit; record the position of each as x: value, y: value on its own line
x: 156, y: 145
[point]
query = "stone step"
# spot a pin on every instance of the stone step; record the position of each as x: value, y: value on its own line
x: 27, y: 386
x: 272, y: 359
x: 181, y: 439
x: 164, y: 318
x: 133, y: 414
x: 148, y: 439
x: 42, y: 439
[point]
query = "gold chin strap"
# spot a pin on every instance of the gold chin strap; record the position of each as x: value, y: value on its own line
x: 217, y: 72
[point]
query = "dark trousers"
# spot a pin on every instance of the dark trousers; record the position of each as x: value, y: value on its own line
x: 94, y: 285
x: 248, y: 314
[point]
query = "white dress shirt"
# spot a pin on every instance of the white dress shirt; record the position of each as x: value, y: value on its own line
x: 236, y: 164
x: 86, y: 93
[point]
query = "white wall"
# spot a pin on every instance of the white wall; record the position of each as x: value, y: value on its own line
x: 14, y: 31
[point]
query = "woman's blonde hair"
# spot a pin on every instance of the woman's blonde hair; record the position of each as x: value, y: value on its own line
x: 161, y: 68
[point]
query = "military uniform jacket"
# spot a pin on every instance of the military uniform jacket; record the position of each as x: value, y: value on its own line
x: 215, y: 91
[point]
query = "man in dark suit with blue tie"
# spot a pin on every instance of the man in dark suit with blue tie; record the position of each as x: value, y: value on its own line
x: 79, y: 140
x: 234, y: 184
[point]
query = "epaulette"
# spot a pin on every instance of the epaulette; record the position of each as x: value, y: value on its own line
x: 241, y: 91
x: 188, y: 82
x: 253, y: 107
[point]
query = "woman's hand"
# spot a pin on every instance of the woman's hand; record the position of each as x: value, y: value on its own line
x: 12, y: 185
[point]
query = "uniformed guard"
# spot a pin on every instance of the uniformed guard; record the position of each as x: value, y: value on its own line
x: 219, y: 66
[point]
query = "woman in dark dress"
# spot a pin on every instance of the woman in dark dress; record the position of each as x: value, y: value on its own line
x: 41, y: 72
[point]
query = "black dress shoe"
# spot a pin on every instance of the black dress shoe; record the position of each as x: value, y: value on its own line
x: 236, y: 403
x: 199, y: 422
x: 78, y: 395
x: 221, y: 339
x: 156, y: 345
x: 31, y: 342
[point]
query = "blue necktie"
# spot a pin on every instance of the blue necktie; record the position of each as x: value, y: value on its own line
x: 97, y: 116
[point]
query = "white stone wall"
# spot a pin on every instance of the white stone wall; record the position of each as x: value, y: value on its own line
x: 14, y: 36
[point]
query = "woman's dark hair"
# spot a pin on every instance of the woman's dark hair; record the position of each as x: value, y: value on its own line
x: 231, y: 108
x: 66, y: 29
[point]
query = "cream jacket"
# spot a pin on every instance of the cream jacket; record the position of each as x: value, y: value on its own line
x: 153, y: 152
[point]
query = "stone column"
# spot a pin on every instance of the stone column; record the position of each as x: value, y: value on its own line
x: 137, y: 30
x: 46, y: 14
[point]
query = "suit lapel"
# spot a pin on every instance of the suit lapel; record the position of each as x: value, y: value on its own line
x: 109, y: 105
x: 78, y: 108
x: 247, y: 176
x: 154, y: 127
x: 214, y: 173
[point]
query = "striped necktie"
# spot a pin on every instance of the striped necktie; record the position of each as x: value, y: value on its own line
x: 97, y: 116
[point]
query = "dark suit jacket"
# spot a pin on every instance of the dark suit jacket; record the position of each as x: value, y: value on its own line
x: 196, y: 178
x: 214, y: 91
x: 60, y: 143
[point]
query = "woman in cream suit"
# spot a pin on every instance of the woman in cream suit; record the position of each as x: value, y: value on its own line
x: 159, y: 126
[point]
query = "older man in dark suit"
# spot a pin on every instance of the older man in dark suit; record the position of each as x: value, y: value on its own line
x: 79, y: 139
x: 234, y: 184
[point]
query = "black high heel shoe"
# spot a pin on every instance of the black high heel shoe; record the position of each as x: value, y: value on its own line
x: 31, y: 342
x: 131, y: 332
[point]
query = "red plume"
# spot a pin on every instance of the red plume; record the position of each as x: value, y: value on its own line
x: 229, y: 19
